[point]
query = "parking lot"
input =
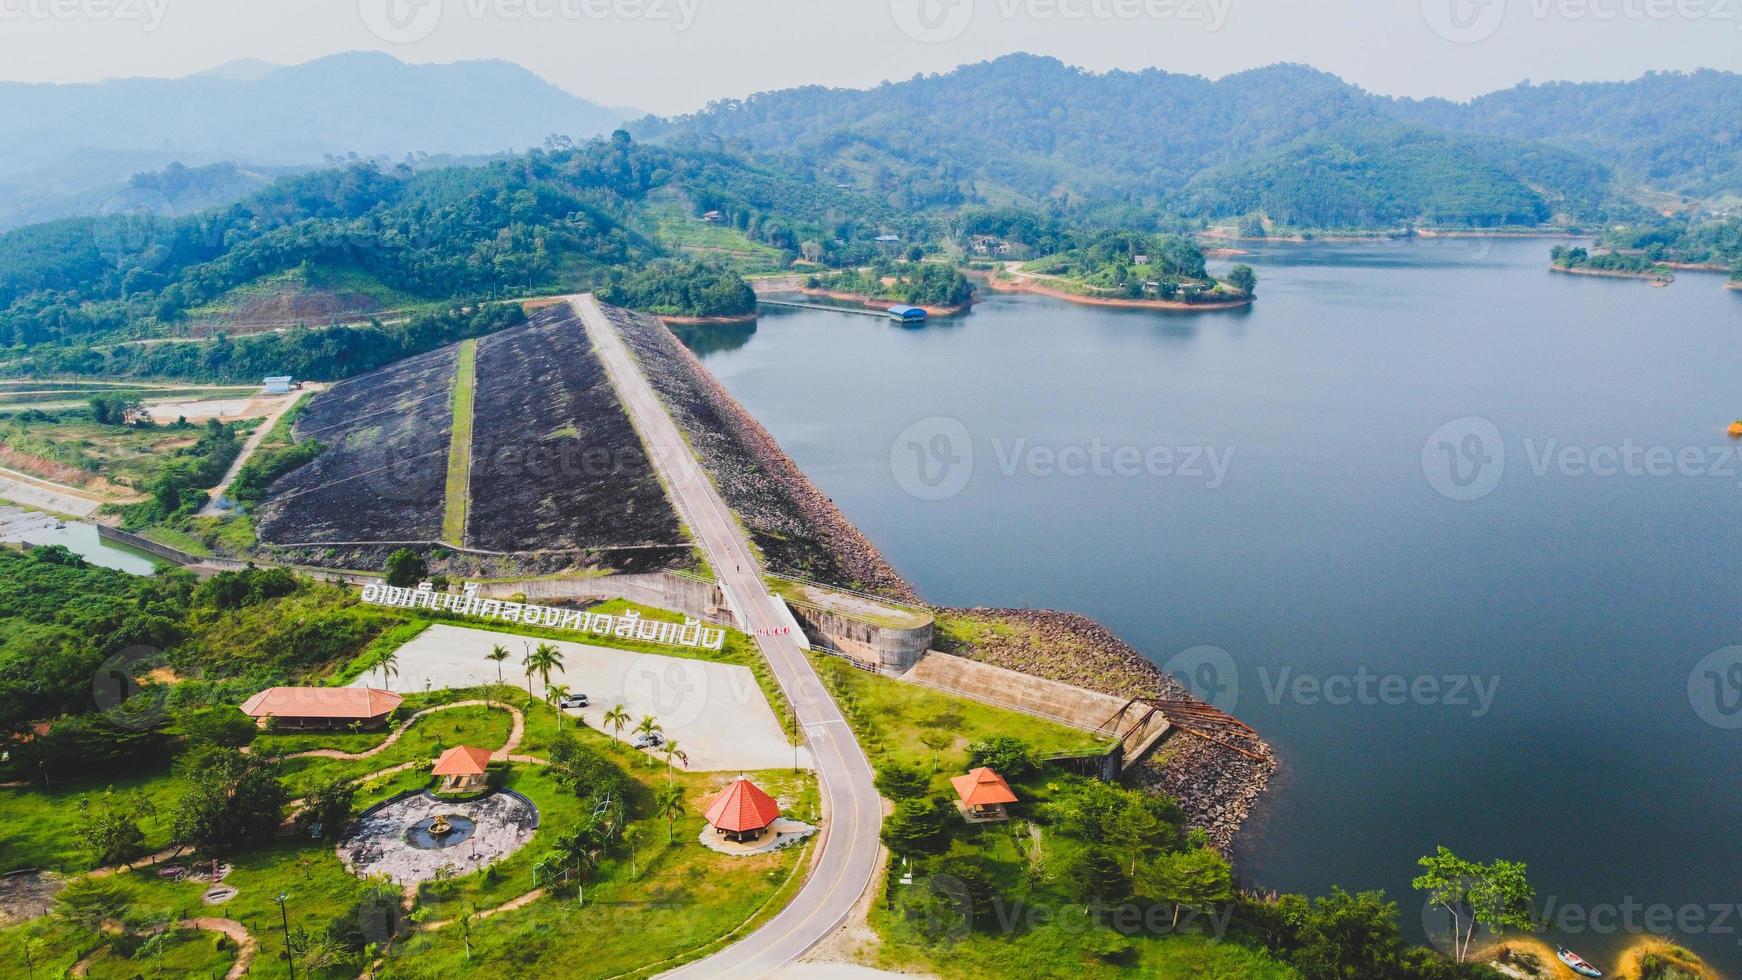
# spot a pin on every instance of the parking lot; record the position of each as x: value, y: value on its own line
x: 715, y: 712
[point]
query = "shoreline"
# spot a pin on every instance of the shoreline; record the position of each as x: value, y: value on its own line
x: 1398, y: 234
x: 1651, y: 277
x: 706, y: 321
x: 1028, y: 285
x: 1214, y: 785
x: 875, y: 303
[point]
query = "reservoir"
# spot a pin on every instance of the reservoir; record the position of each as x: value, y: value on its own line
x: 1462, y: 538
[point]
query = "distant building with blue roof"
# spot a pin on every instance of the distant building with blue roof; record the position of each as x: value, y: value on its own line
x: 907, y: 312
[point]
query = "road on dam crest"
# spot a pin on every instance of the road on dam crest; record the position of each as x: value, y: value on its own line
x: 852, y: 810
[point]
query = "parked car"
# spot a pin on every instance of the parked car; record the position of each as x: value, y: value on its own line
x: 650, y: 740
x: 573, y: 701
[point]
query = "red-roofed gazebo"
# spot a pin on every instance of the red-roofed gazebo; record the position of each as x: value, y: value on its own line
x: 322, y: 707
x: 983, y: 792
x: 462, y: 768
x: 742, y: 809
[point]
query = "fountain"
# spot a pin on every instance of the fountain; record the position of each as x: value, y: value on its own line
x: 440, y: 831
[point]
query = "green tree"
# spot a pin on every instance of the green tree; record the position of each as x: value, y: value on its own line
x: 899, y: 782
x: 1496, y: 896
x: 553, y: 695
x: 405, y: 568
x: 917, y: 827
x: 615, y: 718
x: 328, y: 804
x: 217, y: 725
x: 1006, y: 755
x: 385, y: 662
x: 1242, y: 277
x: 109, y: 826
x: 232, y: 800
x: 541, y: 660
x: 937, y: 740
x: 1347, y: 937
x: 668, y: 803
x: 497, y: 655
x: 1194, y: 879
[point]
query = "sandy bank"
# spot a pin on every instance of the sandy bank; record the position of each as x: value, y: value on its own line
x: 878, y: 303
x: 1613, y: 274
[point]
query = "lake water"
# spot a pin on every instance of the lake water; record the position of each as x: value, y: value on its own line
x: 1500, y: 496
x: 30, y: 527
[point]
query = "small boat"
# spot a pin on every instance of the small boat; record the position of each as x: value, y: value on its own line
x: 1576, y: 963
x: 1735, y: 429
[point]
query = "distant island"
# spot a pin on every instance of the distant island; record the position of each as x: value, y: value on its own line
x: 937, y: 288
x: 1129, y: 269
x: 1580, y: 261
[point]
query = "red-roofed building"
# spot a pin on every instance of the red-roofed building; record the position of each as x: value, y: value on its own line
x: 462, y: 768
x: 322, y: 707
x: 983, y: 792
x: 742, y: 809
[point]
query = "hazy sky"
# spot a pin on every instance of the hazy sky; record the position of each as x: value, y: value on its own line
x: 674, y: 55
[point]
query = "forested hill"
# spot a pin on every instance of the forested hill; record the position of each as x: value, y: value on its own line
x: 550, y: 220
x: 1299, y: 144
x: 65, y: 141
x: 1677, y: 131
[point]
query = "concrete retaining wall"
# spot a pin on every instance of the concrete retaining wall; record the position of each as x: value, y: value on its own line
x: 1133, y: 724
x: 887, y: 649
x: 146, y: 545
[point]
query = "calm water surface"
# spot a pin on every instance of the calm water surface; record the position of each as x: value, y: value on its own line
x: 1326, y: 550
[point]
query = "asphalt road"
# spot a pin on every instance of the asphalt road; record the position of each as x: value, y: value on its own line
x: 852, y: 810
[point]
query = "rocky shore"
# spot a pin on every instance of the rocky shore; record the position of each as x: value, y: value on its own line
x: 797, y: 527
x: 1215, y: 785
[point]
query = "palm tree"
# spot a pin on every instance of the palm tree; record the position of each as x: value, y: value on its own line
x: 937, y: 740
x: 541, y: 660
x: 497, y: 654
x: 632, y: 837
x: 615, y: 719
x: 673, y: 752
x: 668, y: 803
x: 386, y: 661
x: 554, y: 693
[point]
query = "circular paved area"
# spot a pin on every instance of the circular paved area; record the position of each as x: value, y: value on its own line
x: 383, y: 842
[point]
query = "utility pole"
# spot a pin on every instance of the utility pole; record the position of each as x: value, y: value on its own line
x: 284, y: 917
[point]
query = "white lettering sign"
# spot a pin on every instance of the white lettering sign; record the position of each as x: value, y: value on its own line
x: 629, y: 625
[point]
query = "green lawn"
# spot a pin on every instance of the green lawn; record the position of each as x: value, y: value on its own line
x: 460, y: 445
x: 474, y: 725
x: 190, y: 953
x: 671, y: 222
x: 41, y: 827
x: 892, y: 717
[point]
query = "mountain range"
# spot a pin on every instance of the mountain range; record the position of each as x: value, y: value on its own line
x: 1297, y: 145
x: 70, y: 148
